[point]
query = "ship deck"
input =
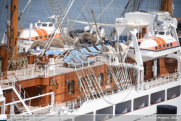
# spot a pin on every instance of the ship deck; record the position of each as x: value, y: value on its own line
x: 60, y: 67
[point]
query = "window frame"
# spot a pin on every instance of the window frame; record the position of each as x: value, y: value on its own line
x: 156, y: 48
x: 43, y: 25
x: 109, y: 80
x: 168, y: 45
x: 50, y: 24
x: 171, y: 44
x: 80, y: 89
x: 102, y: 79
x: 71, y: 87
x: 161, y: 33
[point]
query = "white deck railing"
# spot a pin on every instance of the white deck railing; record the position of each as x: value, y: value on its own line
x: 159, y: 81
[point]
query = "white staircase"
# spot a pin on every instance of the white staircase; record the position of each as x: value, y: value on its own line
x: 22, y: 101
x: 11, y: 82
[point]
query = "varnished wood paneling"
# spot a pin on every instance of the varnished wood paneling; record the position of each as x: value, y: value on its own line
x: 148, y: 74
x: 35, y: 81
x: 8, y: 95
x: 167, y: 65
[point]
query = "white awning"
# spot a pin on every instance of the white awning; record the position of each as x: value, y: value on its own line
x: 137, y: 24
x: 110, y: 25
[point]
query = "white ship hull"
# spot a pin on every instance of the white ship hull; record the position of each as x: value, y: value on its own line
x: 125, y: 102
x: 133, y: 102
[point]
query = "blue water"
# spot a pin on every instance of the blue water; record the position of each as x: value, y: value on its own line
x: 40, y: 10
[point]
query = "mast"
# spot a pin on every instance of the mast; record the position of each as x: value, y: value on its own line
x: 14, y: 30
x: 166, y: 5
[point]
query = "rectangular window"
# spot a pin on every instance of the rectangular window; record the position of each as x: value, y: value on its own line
x: 156, y: 48
x: 160, y: 46
x: 170, y: 44
x: 167, y: 45
x: 163, y: 45
x: 45, y: 36
x: 40, y: 37
x: 36, y: 38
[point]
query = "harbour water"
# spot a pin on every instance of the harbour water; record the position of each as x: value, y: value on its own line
x: 41, y: 10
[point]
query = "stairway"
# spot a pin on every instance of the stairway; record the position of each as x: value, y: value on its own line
x: 24, y: 103
x: 12, y: 82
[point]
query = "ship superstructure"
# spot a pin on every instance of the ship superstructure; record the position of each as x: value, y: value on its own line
x: 130, y: 75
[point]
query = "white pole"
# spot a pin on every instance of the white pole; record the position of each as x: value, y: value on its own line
x: 31, y: 26
x: 138, y: 32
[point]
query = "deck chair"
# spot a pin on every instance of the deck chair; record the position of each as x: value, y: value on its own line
x: 92, y: 49
x: 87, y: 52
x: 99, y: 47
x: 49, y: 52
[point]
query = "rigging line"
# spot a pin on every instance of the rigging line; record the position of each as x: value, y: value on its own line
x: 80, y: 13
x: 120, y: 92
x: 105, y: 21
x: 7, y: 13
x: 24, y: 9
x: 115, y: 3
x: 140, y: 5
x: 105, y: 9
x: 108, y: 15
x: 104, y: 18
x: 100, y: 9
x: 89, y: 12
x: 26, y: 15
x: 114, y: 11
x: 83, y: 15
x: 1, y: 8
x: 45, y: 8
x: 91, y: 5
x: 64, y: 11
x: 67, y: 7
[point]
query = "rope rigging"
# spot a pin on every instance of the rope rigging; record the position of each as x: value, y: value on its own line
x: 22, y: 25
x: 80, y: 13
x: 45, y: 7
x: 123, y: 72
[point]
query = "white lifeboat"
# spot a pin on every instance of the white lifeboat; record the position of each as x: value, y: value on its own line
x: 41, y: 31
x: 151, y: 48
